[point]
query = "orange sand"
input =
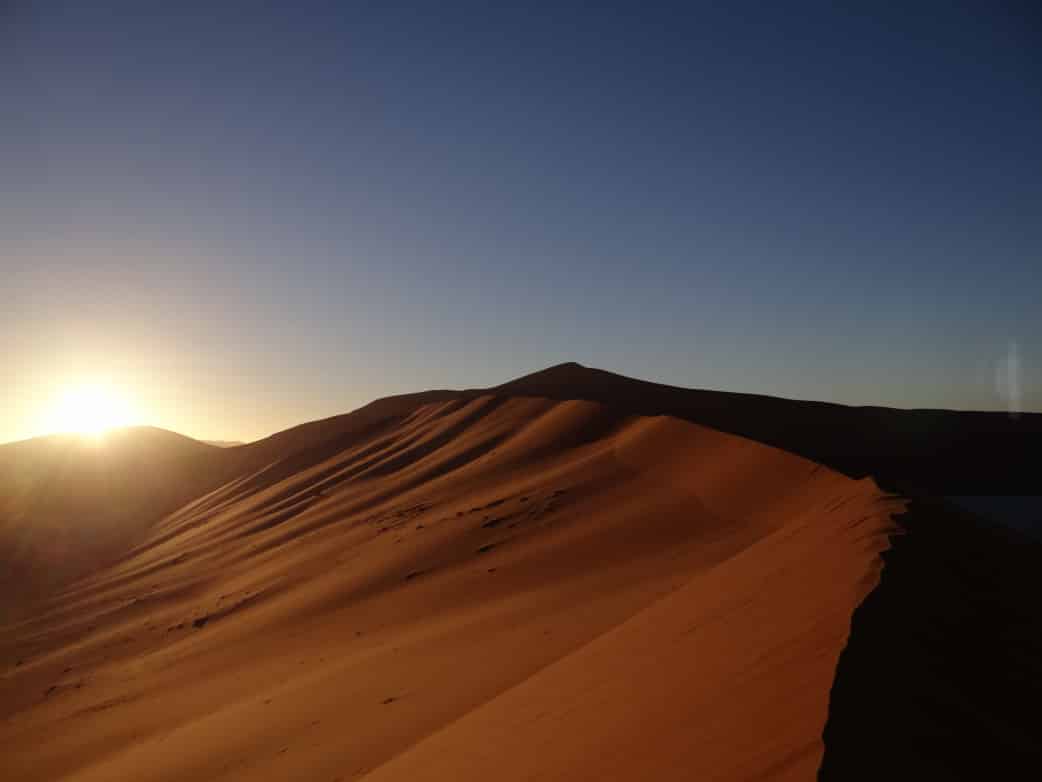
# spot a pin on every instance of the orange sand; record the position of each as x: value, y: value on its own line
x: 438, y: 587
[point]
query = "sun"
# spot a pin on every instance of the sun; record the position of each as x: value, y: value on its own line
x: 89, y: 409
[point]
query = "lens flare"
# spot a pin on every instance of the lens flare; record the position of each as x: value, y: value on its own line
x: 1008, y: 379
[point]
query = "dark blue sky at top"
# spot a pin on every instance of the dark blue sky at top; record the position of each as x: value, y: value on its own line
x: 306, y: 205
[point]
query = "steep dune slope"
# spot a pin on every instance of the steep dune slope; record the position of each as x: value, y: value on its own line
x: 478, y: 584
x: 724, y: 677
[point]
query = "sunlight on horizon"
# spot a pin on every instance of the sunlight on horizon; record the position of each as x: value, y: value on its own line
x: 88, y: 408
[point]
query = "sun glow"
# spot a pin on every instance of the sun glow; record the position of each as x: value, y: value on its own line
x: 89, y: 409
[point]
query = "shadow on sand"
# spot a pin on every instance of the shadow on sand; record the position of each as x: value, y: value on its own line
x: 942, y: 674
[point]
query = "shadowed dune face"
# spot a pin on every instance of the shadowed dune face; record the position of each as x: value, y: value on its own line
x: 448, y: 587
x: 942, y: 676
x: 69, y: 504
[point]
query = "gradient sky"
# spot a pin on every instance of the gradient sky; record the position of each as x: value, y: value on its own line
x: 248, y: 215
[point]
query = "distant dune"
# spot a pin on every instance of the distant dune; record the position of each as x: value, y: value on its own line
x: 574, y: 575
x: 69, y: 506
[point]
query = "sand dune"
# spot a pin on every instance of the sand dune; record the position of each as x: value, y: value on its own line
x: 69, y: 506
x: 449, y: 585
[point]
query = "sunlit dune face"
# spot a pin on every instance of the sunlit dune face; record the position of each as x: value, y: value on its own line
x: 89, y: 409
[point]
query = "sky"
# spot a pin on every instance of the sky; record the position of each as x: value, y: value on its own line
x: 249, y: 215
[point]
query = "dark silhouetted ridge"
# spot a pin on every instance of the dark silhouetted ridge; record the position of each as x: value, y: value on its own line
x: 931, y: 451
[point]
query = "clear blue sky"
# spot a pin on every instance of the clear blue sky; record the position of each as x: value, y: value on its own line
x: 253, y: 214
